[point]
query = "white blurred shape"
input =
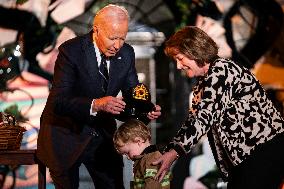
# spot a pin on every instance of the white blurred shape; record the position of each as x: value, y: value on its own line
x: 66, y: 9
x: 216, y: 31
x: 191, y: 183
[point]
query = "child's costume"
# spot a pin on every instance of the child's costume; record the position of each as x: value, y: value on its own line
x: 144, y: 171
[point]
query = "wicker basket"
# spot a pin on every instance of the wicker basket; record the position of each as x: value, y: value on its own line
x: 11, y: 134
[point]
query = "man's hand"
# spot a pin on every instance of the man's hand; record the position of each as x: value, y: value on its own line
x: 166, y: 161
x: 155, y: 113
x: 110, y: 104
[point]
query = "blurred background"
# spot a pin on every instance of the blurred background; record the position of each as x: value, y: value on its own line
x: 247, y: 31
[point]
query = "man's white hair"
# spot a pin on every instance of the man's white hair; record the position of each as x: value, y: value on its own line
x: 113, y: 6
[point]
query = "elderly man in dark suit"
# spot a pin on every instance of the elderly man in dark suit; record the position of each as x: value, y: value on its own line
x: 78, y: 122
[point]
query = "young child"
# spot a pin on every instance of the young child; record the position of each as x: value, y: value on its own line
x: 132, y: 139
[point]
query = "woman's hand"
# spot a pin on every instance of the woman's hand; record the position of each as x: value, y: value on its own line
x: 166, y: 161
x: 155, y: 113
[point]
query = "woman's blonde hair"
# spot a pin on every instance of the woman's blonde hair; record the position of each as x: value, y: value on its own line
x: 129, y: 130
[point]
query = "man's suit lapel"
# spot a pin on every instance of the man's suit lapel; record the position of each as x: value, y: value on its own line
x: 116, y: 66
x: 91, y: 59
x: 92, y: 63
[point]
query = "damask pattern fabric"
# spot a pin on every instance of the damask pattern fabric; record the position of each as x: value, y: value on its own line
x: 230, y: 105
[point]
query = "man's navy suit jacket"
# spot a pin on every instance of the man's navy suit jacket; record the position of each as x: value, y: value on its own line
x: 75, y: 84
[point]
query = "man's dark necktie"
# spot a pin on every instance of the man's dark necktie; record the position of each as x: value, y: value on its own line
x: 104, y: 73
